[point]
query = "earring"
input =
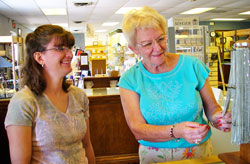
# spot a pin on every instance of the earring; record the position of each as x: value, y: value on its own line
x: 43, y: 65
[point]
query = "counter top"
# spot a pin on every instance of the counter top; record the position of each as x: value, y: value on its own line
x: 94, y: 92
x: 95, y: 95
x: 100, y: 77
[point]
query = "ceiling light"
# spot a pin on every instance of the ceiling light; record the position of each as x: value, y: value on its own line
x: 245, y: 13
x: 110, y: 23
x: 58, y: 11
x: 227, y: 19
x: 197, y: 10
x: 124, y: 10
x: 100, y: 30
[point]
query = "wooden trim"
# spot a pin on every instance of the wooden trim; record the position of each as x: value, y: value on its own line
x: 245, y: 152
x: 115, y: 158
x: 242, y: 32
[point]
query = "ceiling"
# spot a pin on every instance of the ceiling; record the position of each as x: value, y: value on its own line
x: 29, y: 13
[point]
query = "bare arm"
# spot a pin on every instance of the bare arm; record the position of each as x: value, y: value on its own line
x: 20, y: 144
x: 88, y: 146
x: 213, y: 110
x: 141, y: 130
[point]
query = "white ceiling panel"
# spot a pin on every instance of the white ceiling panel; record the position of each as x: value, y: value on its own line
x: 28, y: 12
x: 139, y: 3
x: 51, y: 3
x: 111, y: 3
x: 238, y: 4
x: 167, y: 4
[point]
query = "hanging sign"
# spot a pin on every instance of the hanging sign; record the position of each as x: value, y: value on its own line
x: 183, y: 22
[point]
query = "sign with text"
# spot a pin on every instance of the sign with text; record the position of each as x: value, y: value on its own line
x: 183, y: 22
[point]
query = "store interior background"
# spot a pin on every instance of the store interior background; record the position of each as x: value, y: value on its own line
x: 221, y: 141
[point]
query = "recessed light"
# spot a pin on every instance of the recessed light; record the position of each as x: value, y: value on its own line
x: 56, y: 11
x: 227, y: 19
x: 197, y: 10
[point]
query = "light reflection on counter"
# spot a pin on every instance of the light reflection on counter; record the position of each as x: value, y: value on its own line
x: 102, y: 91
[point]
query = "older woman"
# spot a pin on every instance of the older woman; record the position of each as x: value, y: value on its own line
x: 164, y: 95
x: 47, y: 121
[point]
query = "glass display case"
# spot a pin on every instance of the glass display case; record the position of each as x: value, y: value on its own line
x: 192, y: 41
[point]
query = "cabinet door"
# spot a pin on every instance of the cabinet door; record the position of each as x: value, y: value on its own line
x: 98, y: 67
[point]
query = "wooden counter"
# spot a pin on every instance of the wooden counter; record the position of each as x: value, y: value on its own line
x: 101, y: 82
x: 112, y: 140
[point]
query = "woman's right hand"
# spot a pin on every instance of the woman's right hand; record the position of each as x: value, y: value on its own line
x: 191, y: 131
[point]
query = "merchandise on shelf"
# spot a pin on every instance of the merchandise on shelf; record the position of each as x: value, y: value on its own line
x: 192, y: 41
x: 98, y: 59
x: 189, y: 38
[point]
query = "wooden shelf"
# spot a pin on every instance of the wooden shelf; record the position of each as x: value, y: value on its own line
x: 232, y: 158
x: 241, y: 157
x: 243, y: 32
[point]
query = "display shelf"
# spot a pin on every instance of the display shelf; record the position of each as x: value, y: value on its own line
x: 97, y: 49
x: 13, y: 53
x: 192, y: 41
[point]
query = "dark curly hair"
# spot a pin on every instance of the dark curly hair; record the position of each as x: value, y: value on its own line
x: 37, y: 41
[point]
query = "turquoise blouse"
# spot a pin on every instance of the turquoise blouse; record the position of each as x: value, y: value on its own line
x: 171, y: 97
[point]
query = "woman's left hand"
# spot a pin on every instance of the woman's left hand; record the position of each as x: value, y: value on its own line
x: 223, y: 123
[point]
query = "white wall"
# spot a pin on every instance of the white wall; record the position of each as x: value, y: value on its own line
x: 6, y: 27
x: 222, y: 142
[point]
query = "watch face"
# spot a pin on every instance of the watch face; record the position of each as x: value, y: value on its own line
x: 212, y: 34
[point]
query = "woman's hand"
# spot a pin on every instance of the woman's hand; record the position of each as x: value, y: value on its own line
x: 223, y: 123
x: 191, y: 131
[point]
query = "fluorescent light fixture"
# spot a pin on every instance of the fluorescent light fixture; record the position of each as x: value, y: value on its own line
x: 197, y: 10
x: 124, y: 10
x: 57, y: 11
x: 227, y: 19
x: 110, y: 23
x: 245, y: 13
x: 100, y: 30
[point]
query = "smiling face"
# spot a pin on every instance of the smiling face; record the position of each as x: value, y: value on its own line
x: 151, y: 45
x: 57, y: 59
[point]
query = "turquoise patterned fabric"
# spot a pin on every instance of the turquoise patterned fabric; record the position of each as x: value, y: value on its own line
x: 171, y: 97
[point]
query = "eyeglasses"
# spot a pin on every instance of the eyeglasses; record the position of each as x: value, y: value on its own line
x: 59, y: 48
x: 150, y: 44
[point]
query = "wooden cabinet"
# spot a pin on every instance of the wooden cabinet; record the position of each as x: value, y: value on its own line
x: 111, y: 137
x: 98, y: 59
x: 100, y: 82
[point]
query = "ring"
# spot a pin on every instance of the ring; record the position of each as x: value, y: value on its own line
x: 197, y: 142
